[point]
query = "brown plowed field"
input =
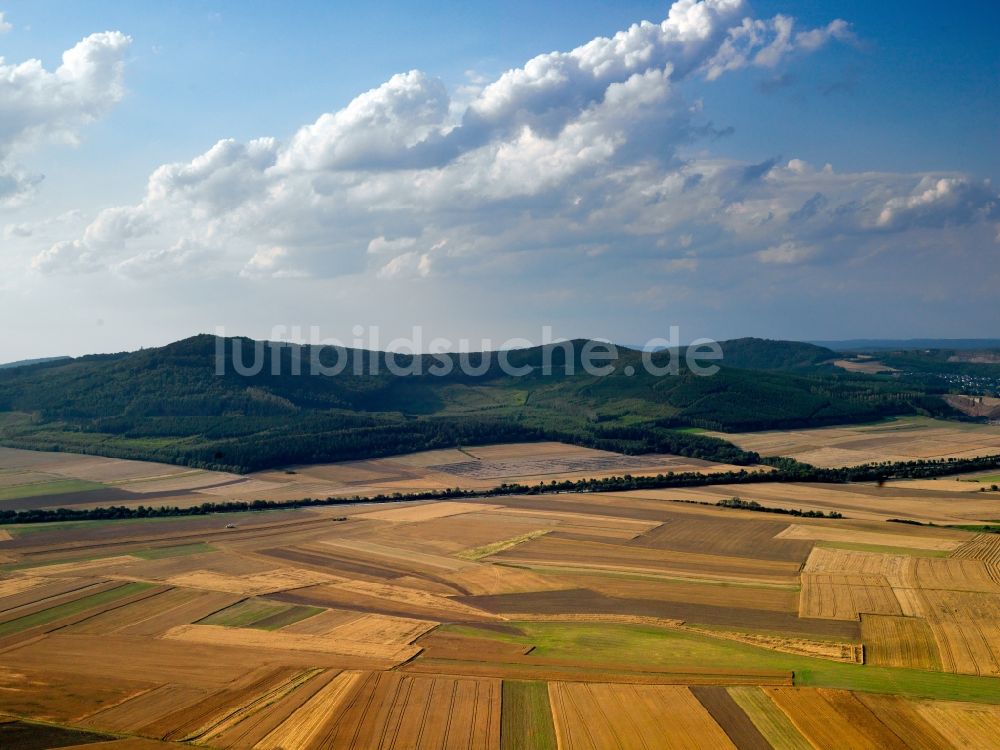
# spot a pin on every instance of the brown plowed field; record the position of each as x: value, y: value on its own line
x: 757, y: 540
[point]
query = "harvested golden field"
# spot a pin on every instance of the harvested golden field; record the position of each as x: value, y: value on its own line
x: 956, y: 600
x: 253, y: 720
x: 501, y: 579
x: 105, y: 481
x: 407, y: 596
x: 390, y: 710
x: 692, y: 591
x: 305, y: 726
x: 897, y: 569
x: 966, y: 626
x: 894, y: 641
x: 927, y: 502
x: 628, y: 616
x: 175, y: 713
x: 475, y: 467
x: 833, y: 719
x: 964, y: 724
x: 104, y: 566
x: 241, y: 488
x: 324, y: 622
x: 381, y: 629
x: 844, y: 596
x: 579, y: 524
x: 411, y: 557
x: 591, y: 717
x: 280, y: 579
x: 985, y: 547
x: 824, y: 533
x: 217, y: 635
x: 529, y: 451
x: 548, y: 551
x: 772, y: 723
x: 10, y: 586
x: 954, y: 573
x: 425, y: 511
x: 904, y: 719
x: 900, y: 439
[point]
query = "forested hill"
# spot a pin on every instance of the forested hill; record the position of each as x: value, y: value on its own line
x: 767, y: 354
x: 170, y: 404
x: 26, y: 362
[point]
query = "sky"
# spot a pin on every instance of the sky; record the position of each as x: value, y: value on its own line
x: 800, y: 170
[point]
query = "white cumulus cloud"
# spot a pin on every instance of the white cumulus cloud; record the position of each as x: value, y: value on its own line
x: 941, y: 201
x: 38, y: 105
x: 570, y: 152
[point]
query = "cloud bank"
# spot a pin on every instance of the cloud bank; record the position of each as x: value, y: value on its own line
x: 596, y: 154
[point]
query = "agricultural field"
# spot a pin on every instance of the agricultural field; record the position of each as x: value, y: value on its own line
x: 944, y: 502
x: 31, y: 479
x: 900, y: 439
x: 629, y: 619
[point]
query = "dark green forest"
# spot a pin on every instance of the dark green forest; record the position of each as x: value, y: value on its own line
x: 169, y: 404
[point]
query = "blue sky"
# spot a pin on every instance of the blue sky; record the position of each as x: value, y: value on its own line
x: 544, y: 217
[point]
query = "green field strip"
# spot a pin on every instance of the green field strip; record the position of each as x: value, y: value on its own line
x: 290, y: 616
x: 45, y: 602
x: 526, y: 716
x: 245, y: 613
x: 41, y: 489
x: 60, y: 561
x: 666, y: 649
x: 770, y: 720
x: 58, y: 612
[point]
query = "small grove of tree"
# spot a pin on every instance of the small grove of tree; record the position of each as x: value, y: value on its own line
x: 738, y: 502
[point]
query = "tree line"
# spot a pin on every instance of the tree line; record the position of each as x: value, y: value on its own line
x: 783, y: 470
